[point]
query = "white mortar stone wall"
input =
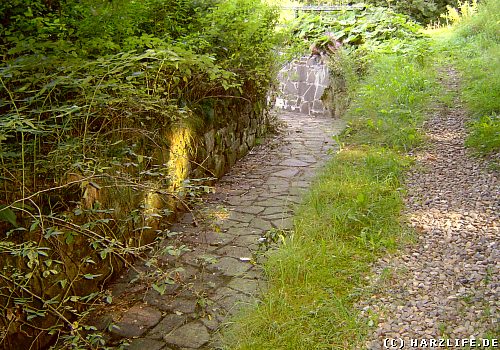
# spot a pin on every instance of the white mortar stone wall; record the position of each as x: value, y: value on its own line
x: 302, y: 85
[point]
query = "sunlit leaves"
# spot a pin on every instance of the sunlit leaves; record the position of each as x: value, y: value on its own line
x: 371, y: 27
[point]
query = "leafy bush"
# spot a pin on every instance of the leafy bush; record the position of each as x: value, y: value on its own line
x: 369, y: 28
x: 240, y: 33
x: 45, y: 108
x: 93, y: 27
x: 423, y: 11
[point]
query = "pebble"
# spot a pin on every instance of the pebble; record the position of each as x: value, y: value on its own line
x: 453, y: 272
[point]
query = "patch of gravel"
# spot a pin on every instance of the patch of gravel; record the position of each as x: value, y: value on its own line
x: 447, y: 285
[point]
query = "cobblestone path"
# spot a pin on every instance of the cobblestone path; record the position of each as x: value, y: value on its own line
x: 447, y: 286
x: 219, y: 273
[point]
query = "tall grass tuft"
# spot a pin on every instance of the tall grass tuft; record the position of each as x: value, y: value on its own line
x: 389, y: 106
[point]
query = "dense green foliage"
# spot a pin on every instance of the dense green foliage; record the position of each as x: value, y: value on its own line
x: 91, y: 94
x: 370, y: 27
x: 49, y: 82
x: 475, y: 48
x: 66, y: 97
x: 423, y: 11
x: 93, y: 28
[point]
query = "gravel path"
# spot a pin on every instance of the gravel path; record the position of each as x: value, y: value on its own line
x: 447, y: 285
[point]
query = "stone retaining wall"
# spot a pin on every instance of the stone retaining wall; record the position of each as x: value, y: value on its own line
x: 220, y: 147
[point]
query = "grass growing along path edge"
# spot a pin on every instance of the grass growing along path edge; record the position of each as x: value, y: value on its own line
x: 474, y: 47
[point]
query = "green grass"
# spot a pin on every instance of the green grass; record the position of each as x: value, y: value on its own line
x: 474, y: 48
x: 350, y: 217
x: 485, y: 134
x: 389, y: 106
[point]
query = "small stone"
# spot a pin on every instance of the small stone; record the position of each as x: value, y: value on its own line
x: 210, y: 322
x: 136, y: 321
x: 185, y: 306
x: 231, y: 266
x: 244, y: 285
x: 145, y: 343
x: 167, y: 325
x: 191, y: 335
x: 294, y: 163
x: 254, y: 209
x: 260, y: 225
